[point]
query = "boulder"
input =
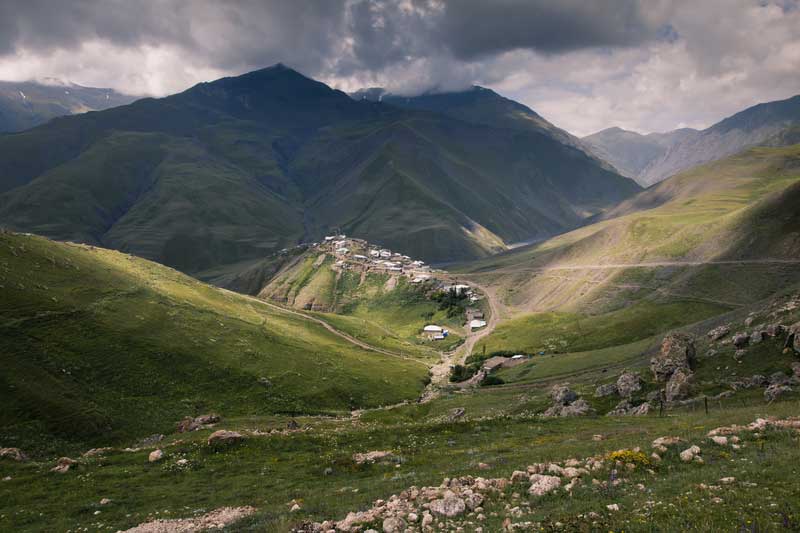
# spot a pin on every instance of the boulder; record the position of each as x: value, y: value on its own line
x: 774, y: 392
x: 678, y: 386
x: 608, y: 389
x: 63, y: 465
x: 562, y: 395
x: 677, y: 352
x: 778, y: 378
x: 629, y: 383
x: 155, y: 456
x: 456, y: 414
x: 224, y: 437
x: 796, y: 369
x: 393, y: 524
x: 740, y: 340
x: 375, y: 456
x: 718, y: 332
x: 449, y: 506
x: 625, y: 408
x: 194, y: 423
x: 13, y: 453
x: 577, y: 408
x: 542, y: 484
x: 152, y: 440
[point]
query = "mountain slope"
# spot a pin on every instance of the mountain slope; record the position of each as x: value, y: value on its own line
x: 630, y: 152
x: 750, y: 127
x: 216, y: 177
x: 24, y: 105
x: 99, y: 344
x: 723, y: 233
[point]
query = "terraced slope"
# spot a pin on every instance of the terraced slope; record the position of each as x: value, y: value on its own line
x: 100, y: 345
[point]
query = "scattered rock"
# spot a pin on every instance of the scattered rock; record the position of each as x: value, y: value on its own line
x: 718, y: 332
x: 105, y: 501
x: 598, y: 437
x: 63, y: 465
x: 774, y: 392
x: 155, y: 456
x: 456, y: 414
x: 216, y: 519
x: 152, y: 440
x: 224, y: 437
x: 376, y: 456
x: 198, y: 422
x: 96, y: 452
x: 796, y: 369
x: 612, y: 507
x: 689, y: 454
x: 14, y: 454
x: 295, y: 508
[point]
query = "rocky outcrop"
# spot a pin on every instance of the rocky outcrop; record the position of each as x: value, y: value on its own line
x: 562, y: 395
x: 224, y: 437
x: 774, y: 392
x: 628, y: 383
x: 566, y: 403
x: 677, y: 352
x: 678, y: 386
x: 608, y: 389
x: 673, y: 365
x: 625, y: 408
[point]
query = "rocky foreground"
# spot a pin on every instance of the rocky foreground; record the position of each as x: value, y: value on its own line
x: 460, y: 504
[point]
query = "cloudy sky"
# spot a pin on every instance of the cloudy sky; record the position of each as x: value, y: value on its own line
x: 646, y: 65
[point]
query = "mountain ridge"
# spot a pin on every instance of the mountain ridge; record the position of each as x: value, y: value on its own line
x: 298, y: 159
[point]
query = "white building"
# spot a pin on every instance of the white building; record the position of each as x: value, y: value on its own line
x: 476, y: 324
x: 432, y: 328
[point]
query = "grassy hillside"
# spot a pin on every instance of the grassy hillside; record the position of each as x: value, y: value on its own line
x: 227, y: 172
x: 101, y: 345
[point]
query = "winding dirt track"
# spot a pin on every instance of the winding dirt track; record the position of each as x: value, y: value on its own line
x: 645, y: 264
x: 331, y: 329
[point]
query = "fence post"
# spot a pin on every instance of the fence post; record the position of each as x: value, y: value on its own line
x: 705, y: 400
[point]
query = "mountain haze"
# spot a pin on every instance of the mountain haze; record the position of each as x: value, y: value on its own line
x: 24, y: 105
x: 630, y: 152
x: 229, y: 171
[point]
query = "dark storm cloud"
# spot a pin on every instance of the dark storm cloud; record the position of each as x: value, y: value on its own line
x: 311, y: 33
x: 474, y: 28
